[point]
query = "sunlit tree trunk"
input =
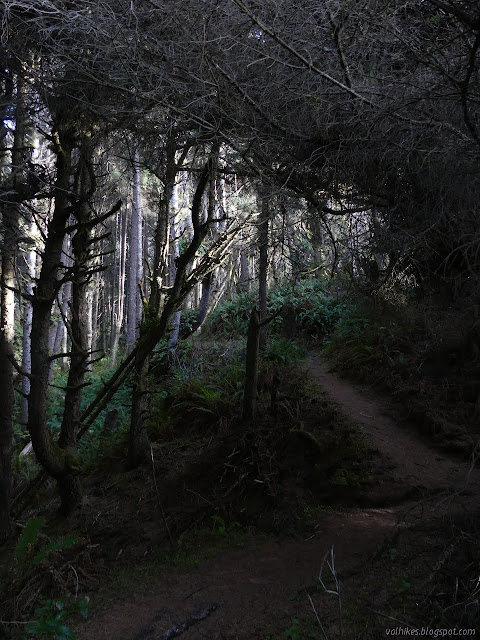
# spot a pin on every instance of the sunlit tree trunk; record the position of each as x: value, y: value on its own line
x: 60, y: 336
x: 172, y: 271
x: 134, y: 311
x: 30, y: 261
x: 119, y: 280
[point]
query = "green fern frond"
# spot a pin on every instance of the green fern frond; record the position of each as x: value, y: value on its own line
x: 28, y: 537
x: 54, y: 545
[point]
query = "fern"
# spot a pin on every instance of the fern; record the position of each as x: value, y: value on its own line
x: 54, y: 545
x: 28, y: 537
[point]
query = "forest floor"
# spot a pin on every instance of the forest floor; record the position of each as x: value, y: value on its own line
x: 400, y: 548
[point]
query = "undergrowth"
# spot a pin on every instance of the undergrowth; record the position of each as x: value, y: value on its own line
x: 42, y: 565
x: 308, y: 308
x: 371, y: 344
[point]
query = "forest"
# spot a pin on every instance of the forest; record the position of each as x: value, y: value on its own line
x: 239, y: 308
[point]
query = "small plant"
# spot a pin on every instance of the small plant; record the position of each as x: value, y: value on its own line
x: 220, y: 524
x: 216, y: 393
x: 294, y: 632
x: 400, y: 584
x: 51, y: 618
x: 283, y: 351
x: 231, y: 318
x: 392, y: 552
x: 28, y: 540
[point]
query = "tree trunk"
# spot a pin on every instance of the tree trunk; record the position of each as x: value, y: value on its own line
x: 58, y: 334
x: 63, y: 300
x: 263, y: 267
x: 7, y: 313
x: 251, y: 371
x: 316, y: 238
x: 118, y: 305
x: 163, y: 230
x: 207, y: 282
x: 30, y: 261
x: 244, y: 278
x: 69, y: 483
x: 50, y: 456
x: 94, y: 317
x: 203, y: 307
x: 172, y: 272
x: 139, y: 443
x: 134, y: 311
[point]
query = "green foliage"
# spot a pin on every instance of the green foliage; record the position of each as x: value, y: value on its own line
x: 385, y: 549
x: 400, y: 585
x: 90, y: 443
x: 28, y: 537
x: 392, y: 552
x: 350, y: 478
x: 206, y: 542
x: 51, y: 618
x: 187, y: 320
x: 299, y: 631
x: 368, y: 344
x: 220, y: 524
x: 231, y: 317
x: 283, y: 351
x: 54, y: 545
x: 28, y: 541
x: 206, y: 398
x: 294, y: 632
x: 215, y: 392
x: 315, y: 309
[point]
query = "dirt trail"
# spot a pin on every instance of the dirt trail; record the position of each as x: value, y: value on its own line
x: 254, y: 593
x: 414, y: 462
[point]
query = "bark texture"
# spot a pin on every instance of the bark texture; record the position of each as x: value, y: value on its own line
x: 134, y: 310
x: 263, y: 266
